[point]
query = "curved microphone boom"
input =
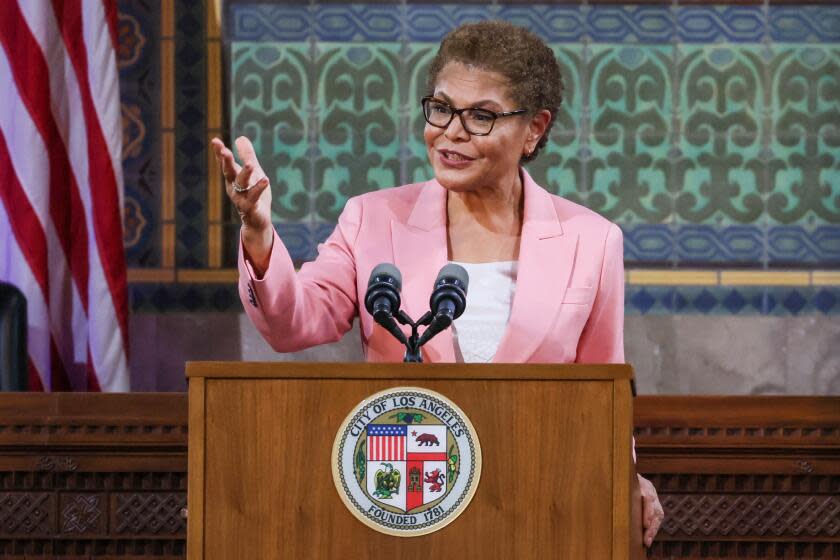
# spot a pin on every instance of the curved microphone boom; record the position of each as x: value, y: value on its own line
x: 382, y: 299
x: 448, y: 301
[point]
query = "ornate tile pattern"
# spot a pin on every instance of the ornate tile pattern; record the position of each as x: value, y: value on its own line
x: 725, y: 300
x: 681, y: 124
x: 711, y: 24
x: 185, y: 297
x: 138, y: 56
x: 190, y: 144
x: 709, y: 133
x: 795, y: 24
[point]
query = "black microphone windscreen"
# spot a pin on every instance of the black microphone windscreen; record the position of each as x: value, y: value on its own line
x: 456, y: 272
x: 386, y: 269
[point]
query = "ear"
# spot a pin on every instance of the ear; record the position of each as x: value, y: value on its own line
x: 536, y: 128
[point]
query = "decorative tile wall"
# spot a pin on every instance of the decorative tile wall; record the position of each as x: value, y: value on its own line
x: 709, y: 133
x: 138, y: 54
x: 190, y: 143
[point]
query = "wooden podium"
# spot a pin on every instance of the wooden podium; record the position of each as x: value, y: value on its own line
x: 557, y: 478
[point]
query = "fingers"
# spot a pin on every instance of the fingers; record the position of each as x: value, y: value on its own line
x: 652, y: 514
x: 245, y: 175
x: 246, y: 151
x: 230, y: 169
x: 648, y: 519
x: 255, y: 191
x: 243, y: 178
x: 244, y: 184
x: 652, y: 527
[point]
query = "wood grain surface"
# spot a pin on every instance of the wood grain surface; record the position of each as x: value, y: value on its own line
x: 104, y: 475
x: 546, y: 489
x: 195, y: 487
x: 361, y: 370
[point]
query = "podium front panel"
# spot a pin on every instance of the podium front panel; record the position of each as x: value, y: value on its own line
x: 546, y: 489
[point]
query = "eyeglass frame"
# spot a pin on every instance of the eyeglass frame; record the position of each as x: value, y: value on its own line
x: 460, y: 113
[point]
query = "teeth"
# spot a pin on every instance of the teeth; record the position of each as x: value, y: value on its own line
x: 455, y: 157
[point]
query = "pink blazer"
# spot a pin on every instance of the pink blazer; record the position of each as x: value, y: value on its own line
x: 568, y: 305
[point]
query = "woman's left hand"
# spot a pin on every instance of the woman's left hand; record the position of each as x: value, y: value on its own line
x: 652, y: 512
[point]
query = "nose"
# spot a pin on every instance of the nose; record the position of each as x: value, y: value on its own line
x: 456, y: 129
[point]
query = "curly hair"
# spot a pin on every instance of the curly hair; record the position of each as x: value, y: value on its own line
x: 520, y: 56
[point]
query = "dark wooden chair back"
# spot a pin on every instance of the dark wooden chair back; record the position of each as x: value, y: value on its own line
x: 13, y: 356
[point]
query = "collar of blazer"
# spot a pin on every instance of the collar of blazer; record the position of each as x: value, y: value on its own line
x: 546, y: 258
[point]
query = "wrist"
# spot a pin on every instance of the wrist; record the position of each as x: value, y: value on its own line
x: 260, y: 234
x: 257, y: 244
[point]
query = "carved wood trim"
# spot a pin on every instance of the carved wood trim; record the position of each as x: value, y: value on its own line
x: 93, y: 476
x: 751, y: 515
x: 105, y: 475
x: 89, y: 419
x: 743, y: 477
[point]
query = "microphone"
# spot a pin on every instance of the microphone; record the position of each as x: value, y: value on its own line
x: 382, y: 299
x: 448, y: 301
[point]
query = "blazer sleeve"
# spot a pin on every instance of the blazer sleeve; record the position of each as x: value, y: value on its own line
x: 602, y: 339
x: 314, y: 306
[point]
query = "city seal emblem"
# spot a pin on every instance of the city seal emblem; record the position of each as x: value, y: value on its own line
x: 406, y: 461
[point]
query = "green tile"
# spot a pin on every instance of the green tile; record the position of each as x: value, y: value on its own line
x: 358, y: 104
x: 805, y: 89
x: 559, y: 166
x: 804, y: 180
x: 627, y: 128
x: 630, y: 89
x: 721, y: 88
x: 416, y: 60
x: 270, y: 102
x: 805, y: 140
x: 628, y: 178
x: 722, y: 108
x: 723, y: 182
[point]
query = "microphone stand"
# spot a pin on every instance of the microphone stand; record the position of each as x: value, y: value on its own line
x: 412, y: 350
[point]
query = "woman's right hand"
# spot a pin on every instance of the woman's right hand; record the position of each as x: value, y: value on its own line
x: 254, y: 204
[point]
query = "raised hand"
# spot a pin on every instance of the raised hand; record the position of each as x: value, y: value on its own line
x: 247, y: 188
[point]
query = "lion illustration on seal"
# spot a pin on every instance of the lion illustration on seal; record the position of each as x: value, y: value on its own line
x: 435, y: 478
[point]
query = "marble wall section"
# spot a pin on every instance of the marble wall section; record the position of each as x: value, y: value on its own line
x: 676, y: 354
x: 683, y: 354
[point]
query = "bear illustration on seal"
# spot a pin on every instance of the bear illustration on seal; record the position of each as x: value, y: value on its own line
x: 426, y: 439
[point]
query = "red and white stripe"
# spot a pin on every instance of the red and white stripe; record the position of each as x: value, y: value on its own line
x: 61, y: 189
x: 386, y: 448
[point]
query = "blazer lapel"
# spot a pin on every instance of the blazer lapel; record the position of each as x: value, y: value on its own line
x: 546, y: 258
x: 420, y: 251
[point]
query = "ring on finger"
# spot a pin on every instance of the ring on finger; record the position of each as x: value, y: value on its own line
x: 239, y: 189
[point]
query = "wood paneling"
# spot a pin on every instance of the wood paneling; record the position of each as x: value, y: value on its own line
x: 105, y: 475
x: 533, y: 496
x: 743, y: 477
x: 91, y: 475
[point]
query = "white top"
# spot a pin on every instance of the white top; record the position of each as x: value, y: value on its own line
x: 479, y: 330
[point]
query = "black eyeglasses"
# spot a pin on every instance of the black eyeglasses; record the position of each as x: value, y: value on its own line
x: 474, y: 120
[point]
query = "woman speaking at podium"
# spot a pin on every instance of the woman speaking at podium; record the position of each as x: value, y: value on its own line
x: 546, y: 275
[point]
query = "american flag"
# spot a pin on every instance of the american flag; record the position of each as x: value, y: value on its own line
x: 61, y: 189
x: 386, y: 442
